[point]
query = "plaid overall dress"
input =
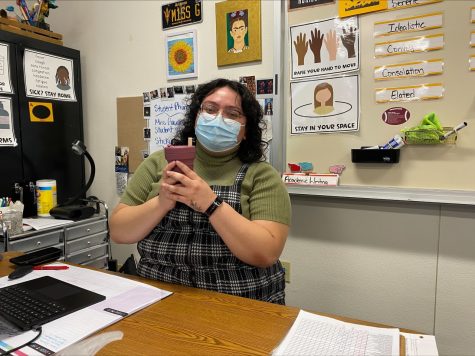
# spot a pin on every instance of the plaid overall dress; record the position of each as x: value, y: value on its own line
x: 185, y: 249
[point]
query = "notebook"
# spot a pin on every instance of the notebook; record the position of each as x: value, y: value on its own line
x: 41, y: 300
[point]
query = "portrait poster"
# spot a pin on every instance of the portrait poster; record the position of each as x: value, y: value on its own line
x: 48, y: 76
x: 7, y: 135
x: 238, y: 32
x: 5, y: 80
x: 166, y: 118
x: 357, y: 7
x: 325, y: 47
x: 181, y: 55
x: 325, y: 105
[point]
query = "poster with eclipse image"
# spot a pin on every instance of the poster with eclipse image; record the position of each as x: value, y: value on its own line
x: 182, y: 55
x: 325, y: 105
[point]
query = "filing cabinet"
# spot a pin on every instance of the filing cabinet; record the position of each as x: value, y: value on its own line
x: 84, y: 242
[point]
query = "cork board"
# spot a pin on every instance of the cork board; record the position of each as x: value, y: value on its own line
x: 130, y: 124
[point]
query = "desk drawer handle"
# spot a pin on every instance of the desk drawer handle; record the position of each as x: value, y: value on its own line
x: 38, y: 242
x: 88, y: 230
x: 89, y: 255
x: 89, y: 242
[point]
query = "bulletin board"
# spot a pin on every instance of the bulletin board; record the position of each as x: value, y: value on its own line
x: 437, y: 167
x: 130, y: 124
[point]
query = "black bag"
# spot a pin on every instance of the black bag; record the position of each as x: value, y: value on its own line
x: 129, y: 266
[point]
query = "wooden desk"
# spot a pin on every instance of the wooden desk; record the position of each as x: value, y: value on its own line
x: 198, y: 322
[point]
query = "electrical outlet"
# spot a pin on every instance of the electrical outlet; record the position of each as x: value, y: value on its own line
x: 286, y: 265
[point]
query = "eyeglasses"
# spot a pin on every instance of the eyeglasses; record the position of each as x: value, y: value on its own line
x: 227, y: 112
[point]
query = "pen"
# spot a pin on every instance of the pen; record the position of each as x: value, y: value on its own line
x: 455, y: 129
x: 49, y: 268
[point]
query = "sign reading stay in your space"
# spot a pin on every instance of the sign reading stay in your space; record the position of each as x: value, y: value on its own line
x: 181, y: 13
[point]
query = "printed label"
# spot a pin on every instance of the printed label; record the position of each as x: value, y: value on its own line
x: 410, y: 69
x: 409, y: 45
x: 472, y: 39
x: 408, y: 24
x: 402, y: 4
x: 416, y: 92
x: 472, y: 62
x: 310, y: 179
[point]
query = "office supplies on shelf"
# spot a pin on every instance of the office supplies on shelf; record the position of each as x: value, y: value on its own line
x: 123, y: 297
x: 313, y: 334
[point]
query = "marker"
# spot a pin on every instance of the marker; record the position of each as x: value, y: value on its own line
x: 49, y: 268
x: 455, y: 129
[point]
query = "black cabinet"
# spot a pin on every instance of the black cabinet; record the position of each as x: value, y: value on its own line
x: 44, y: 148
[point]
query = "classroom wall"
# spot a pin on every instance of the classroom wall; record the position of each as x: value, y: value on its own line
x: 405, y: 264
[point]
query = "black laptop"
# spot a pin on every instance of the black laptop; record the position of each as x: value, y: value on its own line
x: 41, y: 300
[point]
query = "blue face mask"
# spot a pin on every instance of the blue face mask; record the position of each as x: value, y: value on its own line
x: 217, y: 134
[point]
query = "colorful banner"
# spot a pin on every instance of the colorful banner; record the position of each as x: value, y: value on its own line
x: 325, y: 105
x: 402, y: 4
x: 5, y: 80
x: 409, y: 45
x: 410, y: 93
x: 325, y: 47
x: 409, y: 24
x: 48, y: 76
x: 356, y: 7
x: 409, y: 69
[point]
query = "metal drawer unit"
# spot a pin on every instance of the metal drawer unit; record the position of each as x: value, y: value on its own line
x: 36, y: 241
x: 87, y: 242
x: 82, y: 242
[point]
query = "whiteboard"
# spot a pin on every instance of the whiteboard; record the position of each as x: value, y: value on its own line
x: 446, y: 171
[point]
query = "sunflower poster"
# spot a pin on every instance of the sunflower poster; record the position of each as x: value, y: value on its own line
x: 182, y: 56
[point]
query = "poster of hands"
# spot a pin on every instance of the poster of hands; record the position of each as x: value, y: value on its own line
x: 325, y: 47
x: 325, y: 105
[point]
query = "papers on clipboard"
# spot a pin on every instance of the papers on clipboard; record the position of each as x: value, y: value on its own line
x: 313, y: 334
x: 123, y: 297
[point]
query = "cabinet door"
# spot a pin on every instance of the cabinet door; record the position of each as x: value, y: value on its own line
x: 10, y: 157
x: 44, y: 148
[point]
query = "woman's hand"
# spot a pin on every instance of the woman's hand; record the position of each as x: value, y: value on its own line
x: 164, y: 195
x: 188, y: 188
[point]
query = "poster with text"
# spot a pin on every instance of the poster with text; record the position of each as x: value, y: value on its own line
x: 48, y: 76
x: 7, y: 136
x: 5, y: 80
x: 166, y: 117
x: 325, y: 47
x: 326, y: 105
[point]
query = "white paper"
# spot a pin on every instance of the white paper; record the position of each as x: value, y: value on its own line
x: 5, y: 79
x: 409, y: 24
x: 44, y: 223
x: 313, y: 334
x: 121, y: 294
x: 420, y: 345
x: 48, y: 76
x: 7, y: 134
x: 410, y: 69
x: 415, y: 92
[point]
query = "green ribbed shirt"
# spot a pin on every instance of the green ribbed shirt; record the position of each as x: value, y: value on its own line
x: 263, y: 194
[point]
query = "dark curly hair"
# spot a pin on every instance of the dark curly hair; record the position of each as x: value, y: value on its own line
x: 252, y: 148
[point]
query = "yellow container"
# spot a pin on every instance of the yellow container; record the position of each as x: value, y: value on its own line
x: 47, y: 197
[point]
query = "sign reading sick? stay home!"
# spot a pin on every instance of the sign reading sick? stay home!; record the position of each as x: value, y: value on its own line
x: 181, y: 13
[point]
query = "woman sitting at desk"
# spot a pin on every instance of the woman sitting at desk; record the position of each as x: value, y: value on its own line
x: 223, y: 225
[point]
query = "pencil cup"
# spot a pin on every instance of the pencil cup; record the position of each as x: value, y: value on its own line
x: 184, y: 154
x: 12, y: 220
